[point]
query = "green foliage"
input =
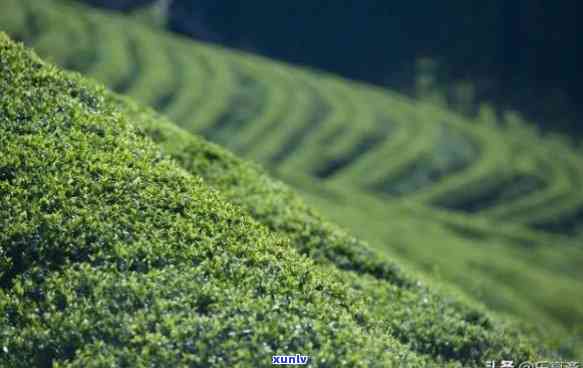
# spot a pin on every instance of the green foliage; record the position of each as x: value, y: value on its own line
x: 476, y: 204
x: 114, y: 255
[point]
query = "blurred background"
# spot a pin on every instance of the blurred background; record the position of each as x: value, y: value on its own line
x: 520, y: 55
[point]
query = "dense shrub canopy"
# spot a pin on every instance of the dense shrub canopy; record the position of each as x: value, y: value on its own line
x: 114, y: 255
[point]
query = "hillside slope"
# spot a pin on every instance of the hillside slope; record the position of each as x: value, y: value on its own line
x: 114, y: 255
x: 488, y: 205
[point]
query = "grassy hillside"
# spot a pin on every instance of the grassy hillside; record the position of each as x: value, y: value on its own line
x: 114, y: 254
x: 489, y: 205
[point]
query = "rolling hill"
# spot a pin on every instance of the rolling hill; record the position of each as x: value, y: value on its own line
x: 113, y: 254
x: 488, y: 206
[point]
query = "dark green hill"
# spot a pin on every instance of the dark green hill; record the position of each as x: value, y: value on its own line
x: 114, y: 255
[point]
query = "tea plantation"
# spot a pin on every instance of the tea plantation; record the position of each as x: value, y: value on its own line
x: 127, y: 239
